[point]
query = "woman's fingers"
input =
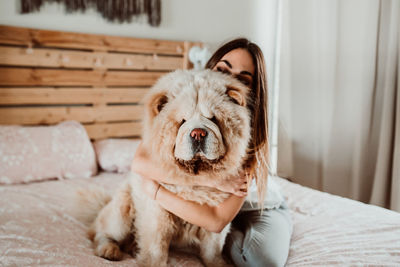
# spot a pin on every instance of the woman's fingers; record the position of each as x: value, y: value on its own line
x: 236, y: 185
x: 242, y: 183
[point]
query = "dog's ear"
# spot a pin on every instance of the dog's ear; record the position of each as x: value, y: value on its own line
x: 157, y: 103
x: 237, y: 95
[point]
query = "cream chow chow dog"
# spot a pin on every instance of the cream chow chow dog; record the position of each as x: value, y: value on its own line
x: 196, y: 126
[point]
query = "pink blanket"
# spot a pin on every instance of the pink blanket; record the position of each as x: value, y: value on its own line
x: 37, y: 228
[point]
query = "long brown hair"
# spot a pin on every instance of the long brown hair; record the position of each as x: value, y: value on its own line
x: 258, y: 151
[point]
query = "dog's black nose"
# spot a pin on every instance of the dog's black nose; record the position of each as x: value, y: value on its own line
x: 198, y: 134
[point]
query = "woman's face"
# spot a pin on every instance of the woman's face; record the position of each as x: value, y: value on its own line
x: 239, y: 64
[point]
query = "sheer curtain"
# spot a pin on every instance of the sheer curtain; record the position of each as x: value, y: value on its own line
x: 339, y: 100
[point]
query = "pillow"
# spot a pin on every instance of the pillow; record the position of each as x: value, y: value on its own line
x: 115, y: 155
x: 33, y: 153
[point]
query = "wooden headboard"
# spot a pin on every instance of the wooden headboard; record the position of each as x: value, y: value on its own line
x: 51, y: 76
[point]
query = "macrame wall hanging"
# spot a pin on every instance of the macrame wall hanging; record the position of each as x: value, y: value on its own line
x: 112, y: 10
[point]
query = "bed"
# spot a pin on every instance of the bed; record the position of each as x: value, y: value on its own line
x: 88, y: 88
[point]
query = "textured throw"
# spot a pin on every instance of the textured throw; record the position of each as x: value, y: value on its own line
x: 112, y: 10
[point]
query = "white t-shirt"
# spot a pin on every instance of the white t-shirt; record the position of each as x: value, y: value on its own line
x: 273, y: 196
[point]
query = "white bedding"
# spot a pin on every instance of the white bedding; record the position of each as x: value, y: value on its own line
x: 331, y: 230
x: 37, y: 228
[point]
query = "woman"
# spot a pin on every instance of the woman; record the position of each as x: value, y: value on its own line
x: 257, y: 238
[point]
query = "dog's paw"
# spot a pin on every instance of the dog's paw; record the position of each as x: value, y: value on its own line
x: 109, y: 251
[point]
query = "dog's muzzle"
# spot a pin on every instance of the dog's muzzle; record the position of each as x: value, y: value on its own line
x: 199, y: 138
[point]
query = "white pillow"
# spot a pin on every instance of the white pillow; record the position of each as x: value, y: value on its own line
x: 116, y: 155
x: 33, y: 153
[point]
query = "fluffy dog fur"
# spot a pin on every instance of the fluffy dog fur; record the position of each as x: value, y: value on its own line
x: 179, y: 102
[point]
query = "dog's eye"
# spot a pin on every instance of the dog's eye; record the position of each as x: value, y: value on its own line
x: 214, y: 120
x: 182, y: 122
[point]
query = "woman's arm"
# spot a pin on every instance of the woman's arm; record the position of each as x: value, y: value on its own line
x: 212, y: 218
x: 144, y: 166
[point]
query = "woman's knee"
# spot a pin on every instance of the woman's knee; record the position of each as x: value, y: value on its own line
x: 233, y: 247
x: 264, y: 258
x: 267, y: 242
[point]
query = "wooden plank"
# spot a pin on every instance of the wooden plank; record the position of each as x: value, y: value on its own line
x: 141, y: 62
x: 130, y: 78
x: 63, y: 77
x: 101, y: 131
x: 51, y: 115
x: 15, y: 35
x: 46, y: 38
x: 17, y: 56
x: 26, y: 96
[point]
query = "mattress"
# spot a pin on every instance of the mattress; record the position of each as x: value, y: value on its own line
x: 37, y: 227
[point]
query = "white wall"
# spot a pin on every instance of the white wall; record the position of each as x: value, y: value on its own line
x: 209, y: 21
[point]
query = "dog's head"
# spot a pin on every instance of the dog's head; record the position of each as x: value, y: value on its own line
x: 198, y: 121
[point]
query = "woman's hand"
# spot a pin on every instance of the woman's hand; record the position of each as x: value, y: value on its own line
x: 236, y: 185
x: 150, y: 187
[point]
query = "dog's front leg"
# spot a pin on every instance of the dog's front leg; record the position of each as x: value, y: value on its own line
x: 154, y: 233
x: 113, y: 225
x: 211, y: 248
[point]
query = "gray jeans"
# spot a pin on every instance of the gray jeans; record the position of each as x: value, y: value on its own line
x: 260, y: 240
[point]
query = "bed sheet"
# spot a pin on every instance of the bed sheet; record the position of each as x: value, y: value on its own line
x: 334, y: 231
x: 37, y: 227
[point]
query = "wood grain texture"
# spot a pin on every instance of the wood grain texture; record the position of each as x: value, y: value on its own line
x: 38, y: 95
x: 46, y: 38
x: 101, y: 130
x: 51, y: 115
x: 55, y: 58
x: 64, y: 77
